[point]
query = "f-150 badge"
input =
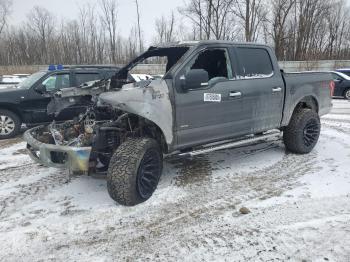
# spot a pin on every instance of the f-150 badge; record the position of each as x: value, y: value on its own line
x: 211, y: 97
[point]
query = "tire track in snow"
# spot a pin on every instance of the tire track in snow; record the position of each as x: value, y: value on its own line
x: 208, y: 201
x: 28, y: 192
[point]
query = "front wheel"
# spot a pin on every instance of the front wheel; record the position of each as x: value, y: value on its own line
x: 303, y: 131
x: 10, y: 124
x: 134, y: 171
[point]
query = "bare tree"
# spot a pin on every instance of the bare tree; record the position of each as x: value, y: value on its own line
x: 212, y: 18
x: 5, y: 10
x: 199, y: 13
x: 299, y: 29
x: 165, y: 29
x: 139, y: 26
x: 310, y: 18
x: 281, y: 12
x: 221, y: 22
x: 41, y: 22
x: 131, y: 45
x: 252, y: 14
x: 109, y: 19
x: 338, y: 28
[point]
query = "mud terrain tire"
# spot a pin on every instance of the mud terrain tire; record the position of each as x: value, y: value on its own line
x: 10, y: 124
x: 134, y: 171
x: 303, y: 131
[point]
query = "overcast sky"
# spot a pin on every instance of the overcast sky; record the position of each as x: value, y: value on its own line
x: 149, y: 9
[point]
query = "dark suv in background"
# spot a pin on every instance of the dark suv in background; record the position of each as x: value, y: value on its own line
x: 27, y: 102
x: 342, y: 83
x: 345, y: 71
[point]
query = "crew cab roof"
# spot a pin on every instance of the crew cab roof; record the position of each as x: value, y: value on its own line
x: 204, y: 42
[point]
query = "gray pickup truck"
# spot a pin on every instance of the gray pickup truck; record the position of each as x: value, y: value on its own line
x: 214, y: 95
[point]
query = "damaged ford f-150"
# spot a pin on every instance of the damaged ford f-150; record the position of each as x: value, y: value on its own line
x: 214, y: 95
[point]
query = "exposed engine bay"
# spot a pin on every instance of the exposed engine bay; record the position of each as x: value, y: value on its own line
x: 117, y: 108
x: 93, y: 130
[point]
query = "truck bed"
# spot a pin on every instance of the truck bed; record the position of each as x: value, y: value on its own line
x: 315, y: 85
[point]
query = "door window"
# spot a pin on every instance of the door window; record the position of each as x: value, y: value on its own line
x: 86, y: 77
x: 54, y: 82
x: 254, y: 63
x: 215, y: 61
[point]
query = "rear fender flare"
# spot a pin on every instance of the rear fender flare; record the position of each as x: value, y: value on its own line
x: 308, y: 101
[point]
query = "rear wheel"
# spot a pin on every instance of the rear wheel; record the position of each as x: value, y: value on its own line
x: 10, y: 124
x: 347, y: 94
x: 134, y: 171
x: 303, y: 131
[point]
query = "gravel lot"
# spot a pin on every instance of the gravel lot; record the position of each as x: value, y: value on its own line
x: 299, y: 207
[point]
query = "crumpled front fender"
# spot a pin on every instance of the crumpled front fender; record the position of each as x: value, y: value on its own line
x: 151, y: 102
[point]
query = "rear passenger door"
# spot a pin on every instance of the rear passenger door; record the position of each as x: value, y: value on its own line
x: 261, y: 85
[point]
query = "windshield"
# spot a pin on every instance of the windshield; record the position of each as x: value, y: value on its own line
x: 167, y: 56
x: 27, y: 83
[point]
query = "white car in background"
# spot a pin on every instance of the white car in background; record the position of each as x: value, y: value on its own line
x: 11, y: 80
x: 157, y: 76
x: 140, y: 77
x: 21, y: 76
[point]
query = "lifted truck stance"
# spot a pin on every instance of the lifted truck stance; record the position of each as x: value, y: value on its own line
x: 214, y: 95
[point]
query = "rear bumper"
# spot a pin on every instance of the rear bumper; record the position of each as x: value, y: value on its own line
x: 76, y: 159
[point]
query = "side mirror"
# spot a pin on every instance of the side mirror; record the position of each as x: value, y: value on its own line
x: 41, y: 89
x: 196, y: 78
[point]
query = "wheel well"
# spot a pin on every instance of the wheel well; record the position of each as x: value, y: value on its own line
x: 152, y: 130
x: 12, y: 109
x: 307, y: 102
x: 345, y: 90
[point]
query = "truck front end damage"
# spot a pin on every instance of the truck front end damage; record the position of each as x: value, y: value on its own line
x: 69, y: 145
x: 86, y: 144
x: 152, y: 102
x: 120, y: 109
x: 76, y: 159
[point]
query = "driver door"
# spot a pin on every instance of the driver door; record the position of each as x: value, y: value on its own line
x: 206, y: 113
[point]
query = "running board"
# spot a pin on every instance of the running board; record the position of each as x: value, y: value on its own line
x: 228, y: 145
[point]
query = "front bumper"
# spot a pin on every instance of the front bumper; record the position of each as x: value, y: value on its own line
x: 76, y: 159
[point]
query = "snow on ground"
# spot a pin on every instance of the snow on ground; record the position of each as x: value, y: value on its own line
x: 300, y: 207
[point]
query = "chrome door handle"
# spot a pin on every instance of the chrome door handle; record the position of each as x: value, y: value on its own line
x: 235, y: 94
x: 276, y: 89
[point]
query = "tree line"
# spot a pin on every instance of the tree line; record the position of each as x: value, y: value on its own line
x: 297, y: 29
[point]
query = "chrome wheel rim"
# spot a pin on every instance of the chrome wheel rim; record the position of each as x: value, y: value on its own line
x: 7, y: 125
